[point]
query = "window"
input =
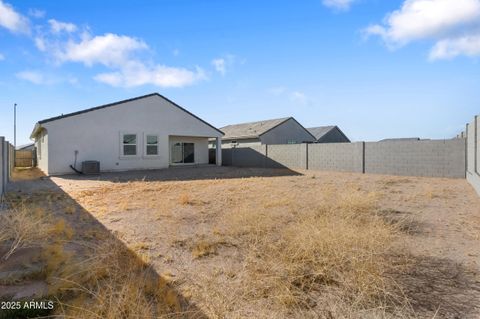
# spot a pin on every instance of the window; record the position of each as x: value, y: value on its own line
x: 183, y: 153
x: 129, y: 144
x: 291, y: 142
x: 151, y: 147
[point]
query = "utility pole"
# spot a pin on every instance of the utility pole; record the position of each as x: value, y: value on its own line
x: 14, y: 132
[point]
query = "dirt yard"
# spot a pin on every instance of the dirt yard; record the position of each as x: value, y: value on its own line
x: 259, y: 243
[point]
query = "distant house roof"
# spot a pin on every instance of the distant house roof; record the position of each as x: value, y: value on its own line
x: 38, y: 125
x: 321, y: 131
x: 400, y: 139
x: 25, y: 147
x: 251, y: 129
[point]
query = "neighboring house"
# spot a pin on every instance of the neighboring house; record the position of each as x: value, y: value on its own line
x: 401, y: 139
x: 328, y: 134
x: 26, y: 147
x: 277, y: 131
x: 146, y: 132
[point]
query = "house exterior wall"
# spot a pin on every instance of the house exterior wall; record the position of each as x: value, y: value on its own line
x: 334, y: 136
x: 289, y: 132
x: 96, y: 135
x: 41, y: 143
x: 241, y: 143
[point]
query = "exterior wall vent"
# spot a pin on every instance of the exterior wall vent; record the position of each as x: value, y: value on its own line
x: 91, y: 167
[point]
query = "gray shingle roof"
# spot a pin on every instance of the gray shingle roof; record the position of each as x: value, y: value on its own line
x: 250, y: 130
x: 320, y: 131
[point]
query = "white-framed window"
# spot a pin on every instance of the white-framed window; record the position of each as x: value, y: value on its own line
x: 129, y: 144
x: 151, y: 145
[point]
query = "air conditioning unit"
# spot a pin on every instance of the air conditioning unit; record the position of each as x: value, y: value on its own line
x: 91, y: 167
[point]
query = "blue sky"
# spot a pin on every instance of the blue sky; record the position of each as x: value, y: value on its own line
x: 376, y: 68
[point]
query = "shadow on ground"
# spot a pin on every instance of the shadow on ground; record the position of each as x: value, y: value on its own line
x: 60, y: 266
x: 184, y: 174
x: 438, y: 287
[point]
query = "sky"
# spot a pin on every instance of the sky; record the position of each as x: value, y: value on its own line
x: 377, y: 69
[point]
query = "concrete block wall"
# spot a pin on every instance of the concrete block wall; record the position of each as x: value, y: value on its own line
x: 288, y: 155
x: 473, y: 153
x: 343, y: 157
x: 2, y: 167
x: 253, y: 156
x: 430, y: 158
x: 6, y: 164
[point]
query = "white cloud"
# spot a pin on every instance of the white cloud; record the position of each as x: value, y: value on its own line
x: 12, y: 20
x: 452, y: 24
x: 136, y: 73
x: 32, y: 76
x: 40, y: 44
x: 109, y: 49
x: 220, y: 65
x: 298, y: 97
x: 119, y: 54
x: 58, y: 26
x: 451, y: 48
x: 36, y: 13
x: 2, y: 57
x: 223, y: 64
x: 338, y: 4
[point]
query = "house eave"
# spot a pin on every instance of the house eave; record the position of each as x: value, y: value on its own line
x: 36, y: 129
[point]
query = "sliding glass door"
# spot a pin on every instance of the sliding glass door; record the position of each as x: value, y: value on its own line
x: 183, y: 153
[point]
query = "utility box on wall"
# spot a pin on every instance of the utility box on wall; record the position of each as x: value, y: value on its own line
x: 91, y: 167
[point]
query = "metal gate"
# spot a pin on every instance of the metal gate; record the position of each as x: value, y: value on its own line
x: 25, y: 158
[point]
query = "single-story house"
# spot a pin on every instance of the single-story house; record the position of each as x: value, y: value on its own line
x: 328, y: 134
x: 277, y: 131
x: 146, y: 132
x: 26, y: 147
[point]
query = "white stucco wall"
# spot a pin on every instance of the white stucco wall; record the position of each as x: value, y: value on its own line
x: 241, y: 143
x: 96, y: 135
x: 42, y: 151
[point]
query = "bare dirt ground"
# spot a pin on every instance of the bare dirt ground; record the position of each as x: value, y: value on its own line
x: 181, y: 219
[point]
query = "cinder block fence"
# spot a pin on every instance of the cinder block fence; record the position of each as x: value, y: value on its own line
x: 429, y: 158
x: 6, y: 164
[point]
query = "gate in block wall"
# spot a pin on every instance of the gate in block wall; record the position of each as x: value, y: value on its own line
x: 25, y: 158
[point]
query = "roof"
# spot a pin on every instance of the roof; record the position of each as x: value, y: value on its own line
x: 404, y: 139
x: 320, y: 131
x: 25, y: 146
x: 38, y: 125
x: 251, y: 129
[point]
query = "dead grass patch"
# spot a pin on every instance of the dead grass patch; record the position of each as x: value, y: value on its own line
x: 337, y: 251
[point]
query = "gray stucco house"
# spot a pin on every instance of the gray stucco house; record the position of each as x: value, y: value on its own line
x: 145, y: 132
x: 277, y: 131
x: 328, y: 134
